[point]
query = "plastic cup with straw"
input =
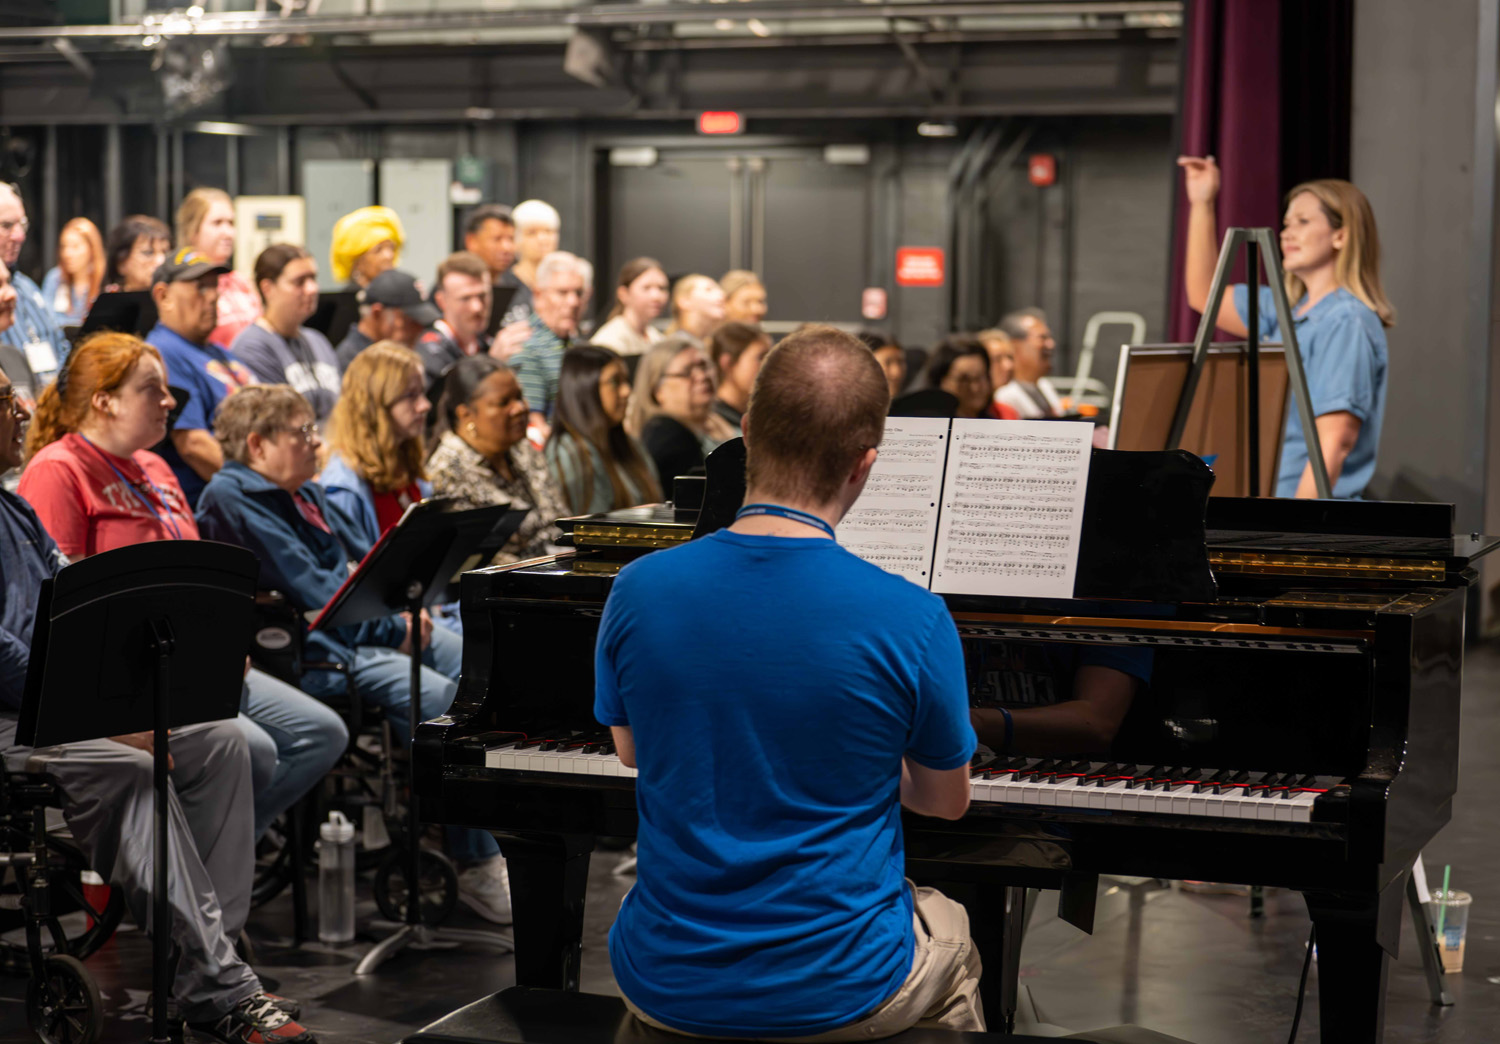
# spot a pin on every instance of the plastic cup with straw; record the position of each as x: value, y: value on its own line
x: 1443, y: 898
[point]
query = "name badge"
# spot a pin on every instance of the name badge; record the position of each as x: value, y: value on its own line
x: 41, y: 357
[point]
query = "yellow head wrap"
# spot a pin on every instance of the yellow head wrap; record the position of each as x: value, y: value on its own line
x: 357, y: 232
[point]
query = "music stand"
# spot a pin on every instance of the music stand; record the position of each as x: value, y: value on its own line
x: 132, y: 313
x: 152, y: 619
x: 336, y: 312
x: 500, y: 299
x: 409, y: 568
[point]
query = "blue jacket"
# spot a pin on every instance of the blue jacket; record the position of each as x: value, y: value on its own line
x: 239, y: 506
x: 27, y: 557
x: 353, y: 495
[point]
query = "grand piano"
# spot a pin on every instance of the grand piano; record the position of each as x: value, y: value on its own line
x: 1300, y: 728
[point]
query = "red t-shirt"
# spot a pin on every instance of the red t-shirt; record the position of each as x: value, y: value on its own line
x: 92, y: 501
x: 389, y: 507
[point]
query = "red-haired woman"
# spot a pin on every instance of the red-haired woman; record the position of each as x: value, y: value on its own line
x: 71, y: 286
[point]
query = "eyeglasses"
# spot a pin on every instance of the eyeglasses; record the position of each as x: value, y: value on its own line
x: 698, y: 368
x: 7, y: 227
x: 309, y: 432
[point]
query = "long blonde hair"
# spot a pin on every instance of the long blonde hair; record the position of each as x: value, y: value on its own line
x: 1357, y: 267
x: 360, y: 428
x: 643, y: 405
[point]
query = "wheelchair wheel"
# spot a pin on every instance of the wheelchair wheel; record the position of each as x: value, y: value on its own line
x: 437, y: 887
x: 63, y: 1006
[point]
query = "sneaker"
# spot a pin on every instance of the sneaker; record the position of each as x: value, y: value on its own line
x: 255, y: 1020
x: 292, y: 1008
x: 485, y: 889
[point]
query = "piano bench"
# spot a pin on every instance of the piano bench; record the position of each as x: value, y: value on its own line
x: 522, y: 1015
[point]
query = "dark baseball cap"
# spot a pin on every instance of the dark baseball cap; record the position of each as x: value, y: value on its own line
x: 186, y: 264
x: 396, y: 289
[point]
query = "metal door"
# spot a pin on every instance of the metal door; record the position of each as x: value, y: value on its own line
x: 677, y: 211
x: 332, y: 188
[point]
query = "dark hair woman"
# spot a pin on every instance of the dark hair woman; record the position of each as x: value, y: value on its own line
x: 961, y: 367
x: 596, y: 462
x: 482, y: 455
x: 737, y: 349
x: 135, y: 249
x: 276, y: 347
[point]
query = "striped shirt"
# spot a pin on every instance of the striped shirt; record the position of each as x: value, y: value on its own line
x: 537, y: 365
x: 35, y: 324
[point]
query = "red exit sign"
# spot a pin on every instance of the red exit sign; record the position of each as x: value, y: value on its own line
x: 720, y: 123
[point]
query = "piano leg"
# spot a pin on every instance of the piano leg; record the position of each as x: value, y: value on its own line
x: 1357, y: 936
x: 549, y: 876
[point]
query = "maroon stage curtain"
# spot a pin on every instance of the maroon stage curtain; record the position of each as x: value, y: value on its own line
x: 1230, y: 109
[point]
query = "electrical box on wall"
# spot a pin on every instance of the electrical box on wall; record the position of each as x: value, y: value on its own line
x: 260, y: 221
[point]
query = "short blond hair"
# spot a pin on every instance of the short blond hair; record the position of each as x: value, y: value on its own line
x: 360, y: 429
x: 261, y: 409
x: 192, y: 211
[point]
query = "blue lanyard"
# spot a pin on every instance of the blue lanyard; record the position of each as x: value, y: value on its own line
x: 785, y: 512
x: 167, y: 523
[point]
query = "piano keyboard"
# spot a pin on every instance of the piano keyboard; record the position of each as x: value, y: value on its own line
x: 1280, y: 797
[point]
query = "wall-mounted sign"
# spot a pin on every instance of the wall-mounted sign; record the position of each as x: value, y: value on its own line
x: 919, y: 266
x: 720, y: 123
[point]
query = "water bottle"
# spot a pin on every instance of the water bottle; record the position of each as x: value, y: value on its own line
x: 336, y: 879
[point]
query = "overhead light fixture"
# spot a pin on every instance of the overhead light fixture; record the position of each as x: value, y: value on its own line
x: 935, y: 129
x: 846, y: 155
x: 756, y: 26
x: 723, y: 25
x: 632, y: 156
x: 590, y: 57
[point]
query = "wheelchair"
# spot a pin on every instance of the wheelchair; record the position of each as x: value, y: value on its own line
x: 369, y: 786
x: 41, y: 883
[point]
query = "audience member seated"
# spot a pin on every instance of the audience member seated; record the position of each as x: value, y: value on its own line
x: 737, y: 350
x: 490, y: 235
x: 205, y: 222
x: 744, y: 297
x: 12, y: 361
x: 640, y: 296
x: 697, y: 306
x: 265, y: 499
x: 366, y: 242
x: 560, y: 289
x: 35, y: 333
x: 961, y: 367
x: 771, y: 901
x: 671, y: 409
x: 597, y: 464
x: 96, y: 487
x: 374, y: 472
x: 462, y: 295
x: 1028, y: 393
x: 186, y: 293
x: 538, y: 233
x: 135, y: 249
x: 1002, y: 354
x: 391, y: 308
x: 109, y: 801
x: 72, y: 284
x: 483, y: 457
x: 277, y: 348
x: 891, y: 357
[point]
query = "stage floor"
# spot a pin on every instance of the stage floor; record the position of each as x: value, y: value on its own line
x: 1194, y: 966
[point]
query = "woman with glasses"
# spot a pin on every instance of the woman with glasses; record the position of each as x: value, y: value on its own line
x: 96, y: 486
x: 961, y: 367
x: 265, y: 499
x: 483, y: 457
x: 597, y: 464
x: 133, y: 251
x: 671, y: 409
x: 374, y: 472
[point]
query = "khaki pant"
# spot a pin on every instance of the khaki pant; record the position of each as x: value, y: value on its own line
x: 940, y: 992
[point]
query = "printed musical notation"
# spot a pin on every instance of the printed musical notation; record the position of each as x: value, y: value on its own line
x: 1012, y: 508
x: 894, y: 522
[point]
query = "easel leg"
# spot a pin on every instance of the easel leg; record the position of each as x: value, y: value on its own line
x: 1432, y: 961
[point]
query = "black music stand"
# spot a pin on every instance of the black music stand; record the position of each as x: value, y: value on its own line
x: 152, y: 620
x: 410, y: 568
x: 133, y: 313
x: 336, y: 312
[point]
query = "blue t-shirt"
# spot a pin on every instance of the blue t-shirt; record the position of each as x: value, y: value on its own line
x: 773, y: 685
x: 209, y: 375
x: 1344, y: 355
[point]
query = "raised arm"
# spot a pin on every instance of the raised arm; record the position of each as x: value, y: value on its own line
x: 1202, y: 180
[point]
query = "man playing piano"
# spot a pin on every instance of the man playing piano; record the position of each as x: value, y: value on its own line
x: 777, y: 734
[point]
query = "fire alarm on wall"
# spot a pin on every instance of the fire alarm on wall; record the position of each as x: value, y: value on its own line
x: 1042, y: 169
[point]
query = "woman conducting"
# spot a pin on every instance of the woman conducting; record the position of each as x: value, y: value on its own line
x: 1331, y: 253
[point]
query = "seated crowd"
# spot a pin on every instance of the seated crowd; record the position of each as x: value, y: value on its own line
x: 305, y: 454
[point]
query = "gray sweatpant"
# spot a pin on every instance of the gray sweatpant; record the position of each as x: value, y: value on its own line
x: 109, y: 807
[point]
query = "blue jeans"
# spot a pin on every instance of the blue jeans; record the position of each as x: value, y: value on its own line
x: 294, y: 741
x: 383, y: 677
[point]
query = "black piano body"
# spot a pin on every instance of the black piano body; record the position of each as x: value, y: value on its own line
x: 1331, y: 654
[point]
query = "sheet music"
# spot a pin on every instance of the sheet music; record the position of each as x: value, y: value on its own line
x: 894, y: 522
x: 1012, y: 508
